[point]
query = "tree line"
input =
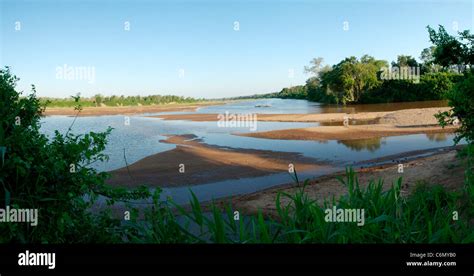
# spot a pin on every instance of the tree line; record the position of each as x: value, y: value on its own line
x: 100, y: 100
x: 370, y: 80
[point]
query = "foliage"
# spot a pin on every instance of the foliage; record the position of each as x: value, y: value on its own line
x: 457, y: 51
x: 364, y: 80
x: 51, y: 175
x: 428, y: 64
x: 295, y: 92
x: 348, y: 79
x: 404, y: 61
x: 426, y: 216
x: 432, y: 86
x: 461, y: 99
x: 451, y: 50
x: 469, y: 173
x: 392, y: 91
x: 99, y: 100
x: 36, y: 173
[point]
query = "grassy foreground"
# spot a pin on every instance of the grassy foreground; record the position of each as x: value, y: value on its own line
x: 426, y: 216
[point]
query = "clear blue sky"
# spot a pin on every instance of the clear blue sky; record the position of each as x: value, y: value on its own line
x: 199, y: 37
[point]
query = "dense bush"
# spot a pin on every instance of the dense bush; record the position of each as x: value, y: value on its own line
x: 51, y: 175
x: 392, y: 91
x: 365, y: 80
x: 435, y: 86
x: 294, y: 92
x: 431, y: 86
x: 334, y: 89
x: 461, y: 99
x: 458, y: 52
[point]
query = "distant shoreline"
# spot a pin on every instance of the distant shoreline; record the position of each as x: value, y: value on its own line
x: 129, y: 110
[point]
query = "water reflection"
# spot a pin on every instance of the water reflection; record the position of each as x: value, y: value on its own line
x: 383, y: 107
x: 142, y: 137
x: 289, y: 106
x: 437, y: 137
x: 371, y: 145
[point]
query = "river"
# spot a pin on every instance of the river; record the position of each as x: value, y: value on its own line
x: 142, y: 137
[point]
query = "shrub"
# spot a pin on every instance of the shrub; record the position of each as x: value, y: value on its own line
x: 52, y: 176
x: 436, y: 86
x: 461, y: 99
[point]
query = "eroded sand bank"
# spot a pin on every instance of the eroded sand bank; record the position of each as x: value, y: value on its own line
x: 205, y: 164
x: 345, y: 133
x: 405, y: 116
x: 322, y: 117
x: 402, y: 122
x: 442, y: 168
x: 382, y: 124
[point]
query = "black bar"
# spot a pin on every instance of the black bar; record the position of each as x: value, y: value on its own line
x: 347, y: 258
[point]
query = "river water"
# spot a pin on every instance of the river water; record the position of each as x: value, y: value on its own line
x: 142, y: 137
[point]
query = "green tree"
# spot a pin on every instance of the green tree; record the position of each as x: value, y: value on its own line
x: 435, y: 86
x: 405, y: 61
x: 350, y: 78
x: 428, y: 61
x: 315, y: 66
x: 461, y: 99
x: 456, y: 51
x: 295, y: 92
x: 448, y: 49
x: 98, y: 99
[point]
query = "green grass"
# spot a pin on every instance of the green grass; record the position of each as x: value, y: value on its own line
x: 426, y: 216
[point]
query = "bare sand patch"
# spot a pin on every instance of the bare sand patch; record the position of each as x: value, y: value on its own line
x: 345, y: 133
x: 400, y: 117
x: 205, y: 164
x: 308, y: 118
x: 402, y: 122
x: 442, y: 168
x: 413, y: 117
x: 394, y: 123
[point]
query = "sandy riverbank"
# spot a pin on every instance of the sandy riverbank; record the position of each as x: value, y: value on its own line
x: 205, y: 164
x: 402, y: 122
x: 421, y: 116
x: 128, y: 110
x: 345, y: 133
x: 322, y: 117
x: 442, y: 168
x: 366, y: 125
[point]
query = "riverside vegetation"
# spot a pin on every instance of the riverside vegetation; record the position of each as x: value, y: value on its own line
x: 100, y: 100
x: 369, y: 80
x: 53, y: 176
